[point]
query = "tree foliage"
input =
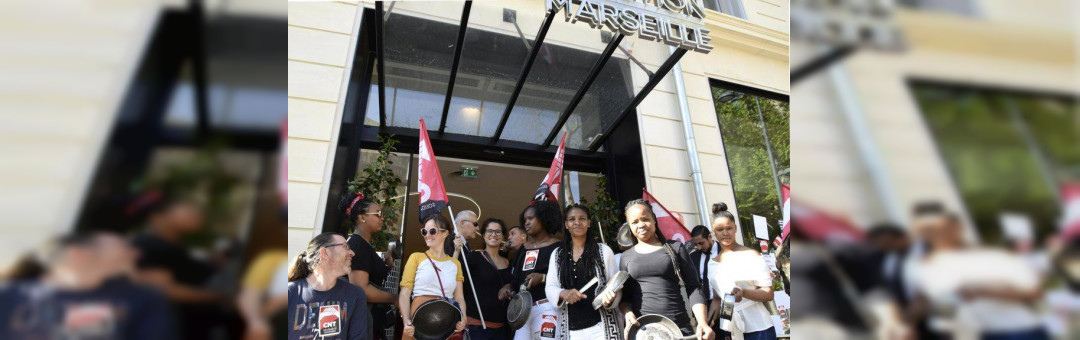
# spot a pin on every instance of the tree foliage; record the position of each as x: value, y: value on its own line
x: 980, y: 136
x: 379, y: 182
x: 748, y: 158
x: 605, y: 211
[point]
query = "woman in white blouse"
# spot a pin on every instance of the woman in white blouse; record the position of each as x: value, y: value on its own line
x: 577, y: 262
x: 739, y: 271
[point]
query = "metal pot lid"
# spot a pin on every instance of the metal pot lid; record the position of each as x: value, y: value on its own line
x: 624, y: 237
x: 435, y: 320
x: 653, y: 326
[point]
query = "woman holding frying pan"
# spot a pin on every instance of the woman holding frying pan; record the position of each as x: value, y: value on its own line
x: 431, y: 275
x: 542, y: 220
x: 579, y: 267
x: 659, y: 271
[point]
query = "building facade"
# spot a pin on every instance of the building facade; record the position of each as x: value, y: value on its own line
x: 959, y: 116
x: 329, y: 89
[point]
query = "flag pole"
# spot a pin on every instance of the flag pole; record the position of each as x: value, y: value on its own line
x: 464, y: 260
x: 601, y: 228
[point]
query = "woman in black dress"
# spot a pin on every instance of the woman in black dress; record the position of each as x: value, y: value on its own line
x: 491, y: 271
x: 368, y: 270
x: 659, y: 268
x: 542, y: 220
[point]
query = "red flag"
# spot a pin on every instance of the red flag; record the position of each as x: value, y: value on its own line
x: 429, y: 181
x: 1070, y: 196
x: 820, y: 226
x: 670, y: 226
x: 786, y: 192
x: 550, y: 185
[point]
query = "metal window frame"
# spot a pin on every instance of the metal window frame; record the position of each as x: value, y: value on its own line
x: 462, y: 28
x: 655, y: 79
x: 593, y: 74
x: 533, y: 52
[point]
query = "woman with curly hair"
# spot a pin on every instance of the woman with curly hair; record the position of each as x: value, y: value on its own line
x: 542, y: 220
x: 368, y: 270
x: 662, y: 270
x: 575, y: 263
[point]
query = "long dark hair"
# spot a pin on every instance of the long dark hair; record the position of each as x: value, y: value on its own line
x: 352, y: 205
x: 648, y: 208
x: 304, y: 263
x: 590, y: 255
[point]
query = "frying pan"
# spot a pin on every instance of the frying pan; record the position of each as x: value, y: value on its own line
x: 517, y: 313
x: 613, y: 285
x: 657, y: 327
x: 435, y: 320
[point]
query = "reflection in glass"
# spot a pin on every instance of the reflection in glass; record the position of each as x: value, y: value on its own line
x: 418, y: 67
x: 748, y: 157
x: 995, y: 168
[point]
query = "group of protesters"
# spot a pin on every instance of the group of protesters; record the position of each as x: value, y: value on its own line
x: 929, y: 280
x: 338, y: 286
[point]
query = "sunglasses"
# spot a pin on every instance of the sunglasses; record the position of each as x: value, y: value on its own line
x: 377, y: 213
x: 432, y: 231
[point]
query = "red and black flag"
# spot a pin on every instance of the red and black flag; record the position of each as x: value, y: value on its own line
x: 429, y: 181
x: 550, y: 186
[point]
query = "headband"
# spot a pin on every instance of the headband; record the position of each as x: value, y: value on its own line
x: 359, y: 196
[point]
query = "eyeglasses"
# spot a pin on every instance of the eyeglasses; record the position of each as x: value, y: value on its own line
x: 333, y: 245
x: 493, y: 232
x: 377, y: 213
x: 432, y: 231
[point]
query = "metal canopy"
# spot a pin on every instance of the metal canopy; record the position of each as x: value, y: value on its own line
x: 533, y: 51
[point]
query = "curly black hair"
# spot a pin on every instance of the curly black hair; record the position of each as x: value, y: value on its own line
x: 648, y: 206
x: 502, y: 227
x: 352, y: 207
x: 549, y: 214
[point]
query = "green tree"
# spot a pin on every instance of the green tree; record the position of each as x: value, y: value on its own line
x: 379, y: 182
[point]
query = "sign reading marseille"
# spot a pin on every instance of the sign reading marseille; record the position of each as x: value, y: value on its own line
x: 679, y: 23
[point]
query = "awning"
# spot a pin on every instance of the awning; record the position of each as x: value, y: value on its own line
x: 475, y: 81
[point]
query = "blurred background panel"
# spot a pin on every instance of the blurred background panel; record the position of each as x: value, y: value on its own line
x: 966, y: 104
x: 103, y: 101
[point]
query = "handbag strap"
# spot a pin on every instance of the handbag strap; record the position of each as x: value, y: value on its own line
x: 491, y: 261
x: 442, y: 290
x: 675, y: 264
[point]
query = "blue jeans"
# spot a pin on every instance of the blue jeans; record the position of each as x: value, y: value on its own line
x: 479, y: 333
x: 767, y: 334
x: 1031, y: 334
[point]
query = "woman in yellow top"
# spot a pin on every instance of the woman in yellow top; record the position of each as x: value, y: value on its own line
x: 431, y: 275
